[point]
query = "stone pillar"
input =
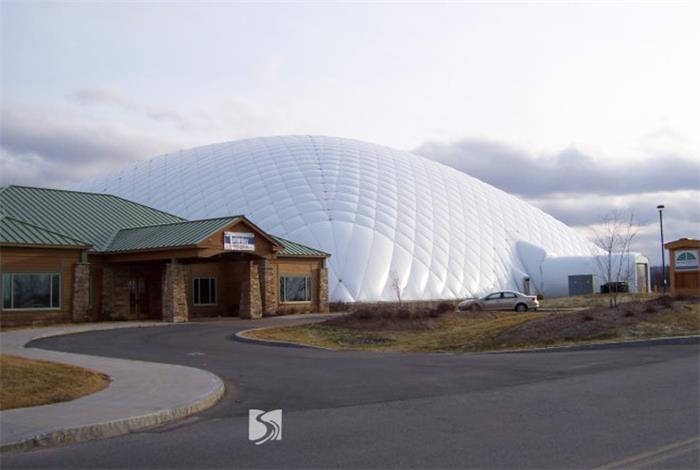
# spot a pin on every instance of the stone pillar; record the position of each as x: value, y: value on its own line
x: 174, y: 291
x: 251, y: 302
x: 81, y: 292
x: 323, y: 291
x: 267, y: 285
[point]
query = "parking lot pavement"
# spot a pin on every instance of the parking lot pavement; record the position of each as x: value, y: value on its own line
x: 565, y: 409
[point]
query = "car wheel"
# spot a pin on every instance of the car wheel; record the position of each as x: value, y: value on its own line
x: 474, y: 307
x: 521, y: 308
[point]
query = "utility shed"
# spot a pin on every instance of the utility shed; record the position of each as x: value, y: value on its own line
x: 684, y: 266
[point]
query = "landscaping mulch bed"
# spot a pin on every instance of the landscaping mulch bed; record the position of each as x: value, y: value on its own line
x: 594, y: 323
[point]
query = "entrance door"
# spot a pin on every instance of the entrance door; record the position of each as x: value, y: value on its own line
x: 138, y: 298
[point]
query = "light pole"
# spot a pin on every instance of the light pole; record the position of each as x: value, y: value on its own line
x: 663, y: 251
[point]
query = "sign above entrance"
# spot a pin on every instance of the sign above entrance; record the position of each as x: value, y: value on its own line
x: 686, y: 259
x: 239, y: 241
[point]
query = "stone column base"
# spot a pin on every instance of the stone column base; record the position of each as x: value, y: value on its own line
x: 174, y: 293
x: 81, y: 292
x: 251, y: 302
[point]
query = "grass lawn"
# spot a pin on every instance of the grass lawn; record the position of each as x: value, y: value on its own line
x: 26, y: 382
x: 490, y: 331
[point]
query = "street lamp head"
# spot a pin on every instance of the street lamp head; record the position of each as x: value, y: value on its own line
x: 660, y: 206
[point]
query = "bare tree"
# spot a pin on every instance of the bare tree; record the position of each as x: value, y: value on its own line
x: 614, y: 234
x: 396, y: 285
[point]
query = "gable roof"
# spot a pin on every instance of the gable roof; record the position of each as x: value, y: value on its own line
x: 167, y: 235
x: 290, y: 248
x: 85, y: 216
x: 16, y: 232
x: 682, y: 243
x: 56, y: 217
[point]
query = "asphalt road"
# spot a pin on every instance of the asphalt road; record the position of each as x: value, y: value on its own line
x: 633, y: 406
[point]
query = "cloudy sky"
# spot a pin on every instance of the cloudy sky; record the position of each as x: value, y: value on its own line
x: 576, y: 108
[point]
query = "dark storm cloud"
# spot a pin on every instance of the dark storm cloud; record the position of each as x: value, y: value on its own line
x: 681, y: 215
x: 49, y: 148
x: 680, y: 207
x: 568, y: 171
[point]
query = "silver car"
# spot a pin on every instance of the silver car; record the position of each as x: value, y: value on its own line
x: 504, y: 300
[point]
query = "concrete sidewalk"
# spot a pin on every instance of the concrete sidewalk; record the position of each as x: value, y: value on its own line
x: 141, y: 394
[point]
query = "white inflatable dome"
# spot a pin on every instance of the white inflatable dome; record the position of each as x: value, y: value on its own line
x: 383, y: 214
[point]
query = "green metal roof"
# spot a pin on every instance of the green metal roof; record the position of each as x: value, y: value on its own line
x: 107, y: 223
x: 21, y: 233
x: 167, y: 235
x: 290, y: 248
x: 84, y: 216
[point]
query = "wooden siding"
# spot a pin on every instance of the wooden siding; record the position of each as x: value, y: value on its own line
x: 40, y: 260
x: 298, y: 267
x: 683, y: 282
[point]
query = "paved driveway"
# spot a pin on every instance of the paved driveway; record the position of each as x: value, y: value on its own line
x: 367, y: 410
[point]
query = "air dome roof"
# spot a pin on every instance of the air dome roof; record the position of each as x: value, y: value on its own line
x: 383, y: 214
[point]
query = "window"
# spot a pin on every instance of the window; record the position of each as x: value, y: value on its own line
x: 31, y: 291
x: 495, y: 296
x: 204, y: 291
x: 509, y: 295
x: 295, y: 289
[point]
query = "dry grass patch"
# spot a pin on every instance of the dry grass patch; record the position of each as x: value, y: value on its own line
x: 452, y: 332
x: 488, y: 331
x: 26, y: 382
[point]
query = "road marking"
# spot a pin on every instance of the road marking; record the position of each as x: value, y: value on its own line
x: 657, y: 455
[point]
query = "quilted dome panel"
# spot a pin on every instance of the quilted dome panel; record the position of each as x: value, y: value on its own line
x: 383, y: 214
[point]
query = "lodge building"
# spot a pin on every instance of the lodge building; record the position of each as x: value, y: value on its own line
x: 77, y: 256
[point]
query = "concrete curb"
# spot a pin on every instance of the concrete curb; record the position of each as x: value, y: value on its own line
x: 114, y: 428
x: 214, y: 389
x: 240, y: 337
x: 691, y: 339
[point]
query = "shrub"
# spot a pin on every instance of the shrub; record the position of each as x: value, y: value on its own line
x: 665, y: 301
x: 404, y: 314
x: 649, y: 308
x: 339, y: 307
x: 385, y: 313
x: 363, y: 314
x: 444, y: 307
